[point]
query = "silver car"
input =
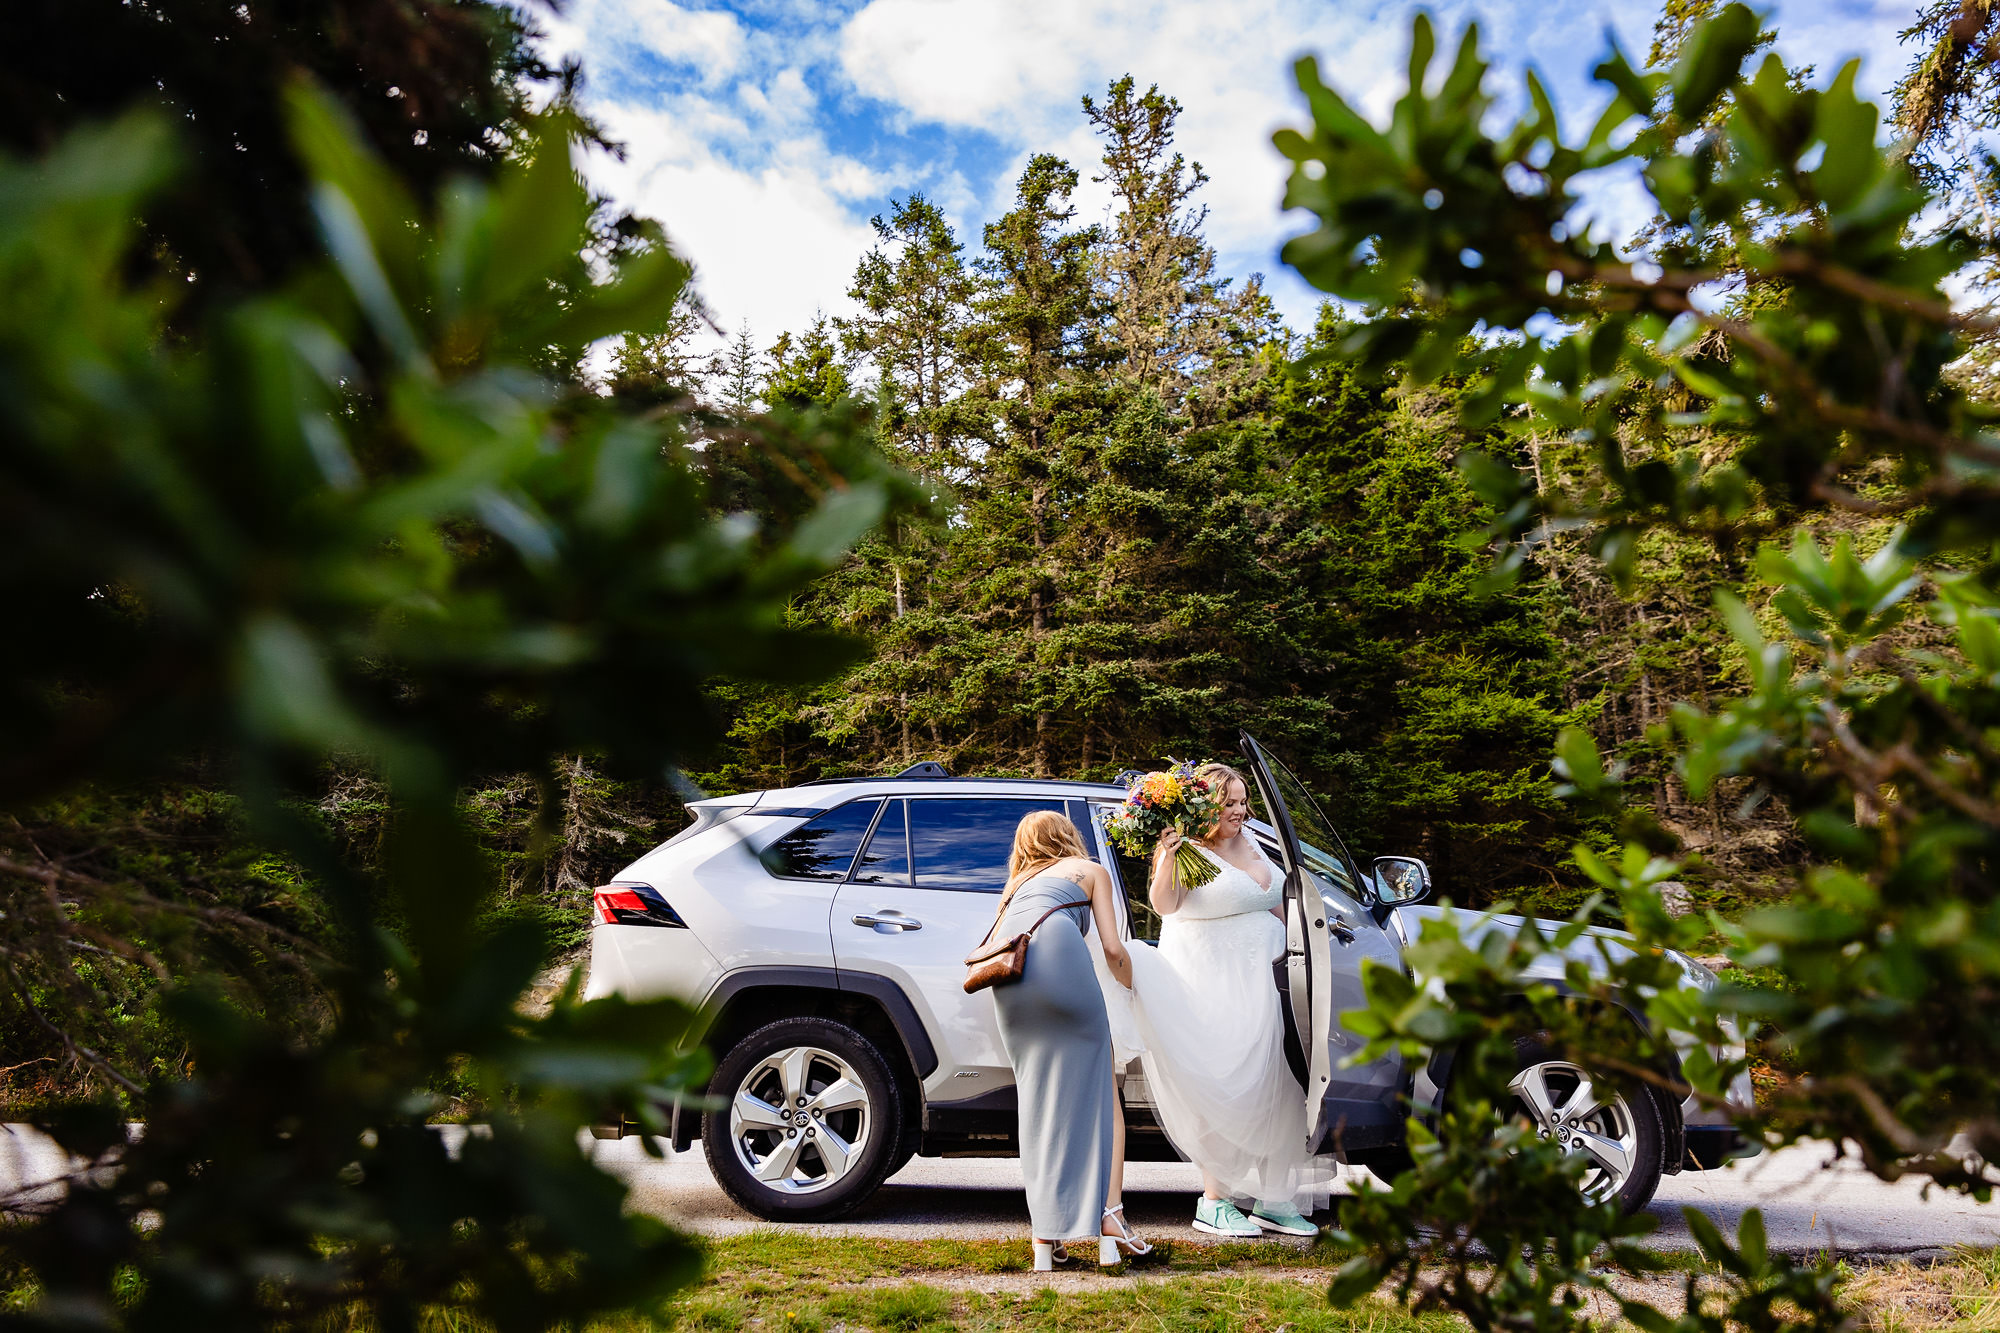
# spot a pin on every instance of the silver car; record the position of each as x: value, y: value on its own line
x: 821, y: 932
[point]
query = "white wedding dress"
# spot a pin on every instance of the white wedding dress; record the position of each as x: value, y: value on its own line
x: 1203, y: 1018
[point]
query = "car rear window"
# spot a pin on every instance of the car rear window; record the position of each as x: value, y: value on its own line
x: 963, y: 843
x: 823, y: 848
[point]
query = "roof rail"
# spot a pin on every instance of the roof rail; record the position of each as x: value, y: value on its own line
x: 929, y: 768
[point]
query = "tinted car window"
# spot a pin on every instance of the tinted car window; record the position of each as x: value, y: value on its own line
x: 887, y: 860
x: 824, y: 848
x: 963, y: 844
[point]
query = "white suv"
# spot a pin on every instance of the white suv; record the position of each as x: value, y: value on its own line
x: 822, y: 930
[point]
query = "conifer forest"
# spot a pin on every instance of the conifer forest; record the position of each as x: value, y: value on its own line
x: 398, y: 540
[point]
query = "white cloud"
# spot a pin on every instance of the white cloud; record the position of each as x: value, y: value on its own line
x: 710, y: 40
x: 730, y: 121
x: 771, y: 243
x: 968, y: 64
x: 1018, y: 72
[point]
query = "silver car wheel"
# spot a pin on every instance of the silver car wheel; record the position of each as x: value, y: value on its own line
x: 1568, y: 1108
x: 799, y: 1119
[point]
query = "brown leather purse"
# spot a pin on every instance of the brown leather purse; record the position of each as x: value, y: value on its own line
x: 1003, y: 964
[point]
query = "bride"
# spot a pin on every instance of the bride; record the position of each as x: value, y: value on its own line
x: 1205, y: 1005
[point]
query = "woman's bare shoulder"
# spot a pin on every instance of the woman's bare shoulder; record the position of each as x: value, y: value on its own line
x: 1075, y: 869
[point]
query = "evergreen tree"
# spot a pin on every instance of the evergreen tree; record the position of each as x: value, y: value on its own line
x: 740, y: 373
x: 1041, y: 318
x: 915, y: 294
x: 807, y: 372
x: 665, y: 364
x: 1174, y: 319
x: 1946, y: 110
x: 1443, y: 698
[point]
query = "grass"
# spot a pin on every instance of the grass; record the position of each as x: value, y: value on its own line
x: 1196, y: 1304
x: 784, y: 1282
x: 777, y: 1255
x: 1958, y: 1295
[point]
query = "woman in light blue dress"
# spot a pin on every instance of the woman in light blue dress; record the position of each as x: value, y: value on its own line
x: 1054, y: 1029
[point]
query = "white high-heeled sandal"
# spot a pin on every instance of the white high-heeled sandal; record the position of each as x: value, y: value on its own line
x: 1049, y: 1253
x: 1126, y: 1241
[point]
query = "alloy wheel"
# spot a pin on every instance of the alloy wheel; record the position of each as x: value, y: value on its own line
x: 1568, y: 1108
x: 799, y: 1119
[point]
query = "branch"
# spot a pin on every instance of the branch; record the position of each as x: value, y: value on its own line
x: 69, y: 1043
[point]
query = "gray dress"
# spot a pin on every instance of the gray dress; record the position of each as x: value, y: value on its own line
x: 1053, y: 1026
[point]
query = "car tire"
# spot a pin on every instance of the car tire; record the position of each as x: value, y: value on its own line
x: 808, y: 1120
x: 904, y: 1152
x: 1624, y: 1129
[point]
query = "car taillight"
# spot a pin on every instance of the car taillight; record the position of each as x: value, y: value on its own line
x: 634, y: 905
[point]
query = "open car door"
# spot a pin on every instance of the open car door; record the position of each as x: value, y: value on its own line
x: 1330, y: 930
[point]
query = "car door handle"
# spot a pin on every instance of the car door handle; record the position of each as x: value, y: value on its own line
x: 887, y: 917
x: 1342, y: 931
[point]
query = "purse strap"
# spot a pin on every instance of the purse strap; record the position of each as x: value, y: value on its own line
x: 1061, y: 907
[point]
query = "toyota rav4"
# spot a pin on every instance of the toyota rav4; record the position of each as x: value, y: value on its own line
x: 821, y: 932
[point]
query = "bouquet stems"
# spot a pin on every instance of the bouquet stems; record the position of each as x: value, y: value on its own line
x: 1195, y: 869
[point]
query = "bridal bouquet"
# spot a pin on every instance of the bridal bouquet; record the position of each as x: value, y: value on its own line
x: 1175, y: 799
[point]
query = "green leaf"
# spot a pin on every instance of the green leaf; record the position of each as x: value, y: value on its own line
x: 1742, y: 624
x: 640, y: 297
x: 1635, y: 91
x: 1711, y: 1243
x: 1712, y: 62
x: 1647, y: 1318
x: 840, y: 520
x: 1750, y: 1239
x: 541, y: 221
x: 1353, y: 1280
x: 1423, y: 44
x: 1845, y: 125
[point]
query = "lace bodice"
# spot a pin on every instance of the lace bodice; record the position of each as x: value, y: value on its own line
x: 1234, y: 892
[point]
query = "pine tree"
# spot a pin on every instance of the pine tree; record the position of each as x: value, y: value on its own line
x: 1040, y: 323
x: 1175, y: 321
x: 807, y: 372
x: 1945, y: 110
x: 740, y: 377
x: 1041, y: 317
x: 666, y: 364
x: 915, y: 294
x: 1442, y: 700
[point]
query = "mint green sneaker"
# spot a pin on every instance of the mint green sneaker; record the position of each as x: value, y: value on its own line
x: 1220, y: 1217
x: 1281, y: 1218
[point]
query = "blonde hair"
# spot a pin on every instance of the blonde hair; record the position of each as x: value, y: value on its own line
x: 1043, y: 838
x: 1218, y: 777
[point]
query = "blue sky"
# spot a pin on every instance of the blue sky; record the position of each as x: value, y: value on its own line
x: 765, y: 133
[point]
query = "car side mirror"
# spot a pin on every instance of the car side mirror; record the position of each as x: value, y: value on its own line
x: 1400, y: 880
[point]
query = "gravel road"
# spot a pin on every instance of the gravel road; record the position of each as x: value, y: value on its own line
x: 1807, y: 1205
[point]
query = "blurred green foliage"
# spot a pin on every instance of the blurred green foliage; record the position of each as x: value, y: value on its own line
x: 1779, y: 349
x: 440, y: 89
x: 357, y: 522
